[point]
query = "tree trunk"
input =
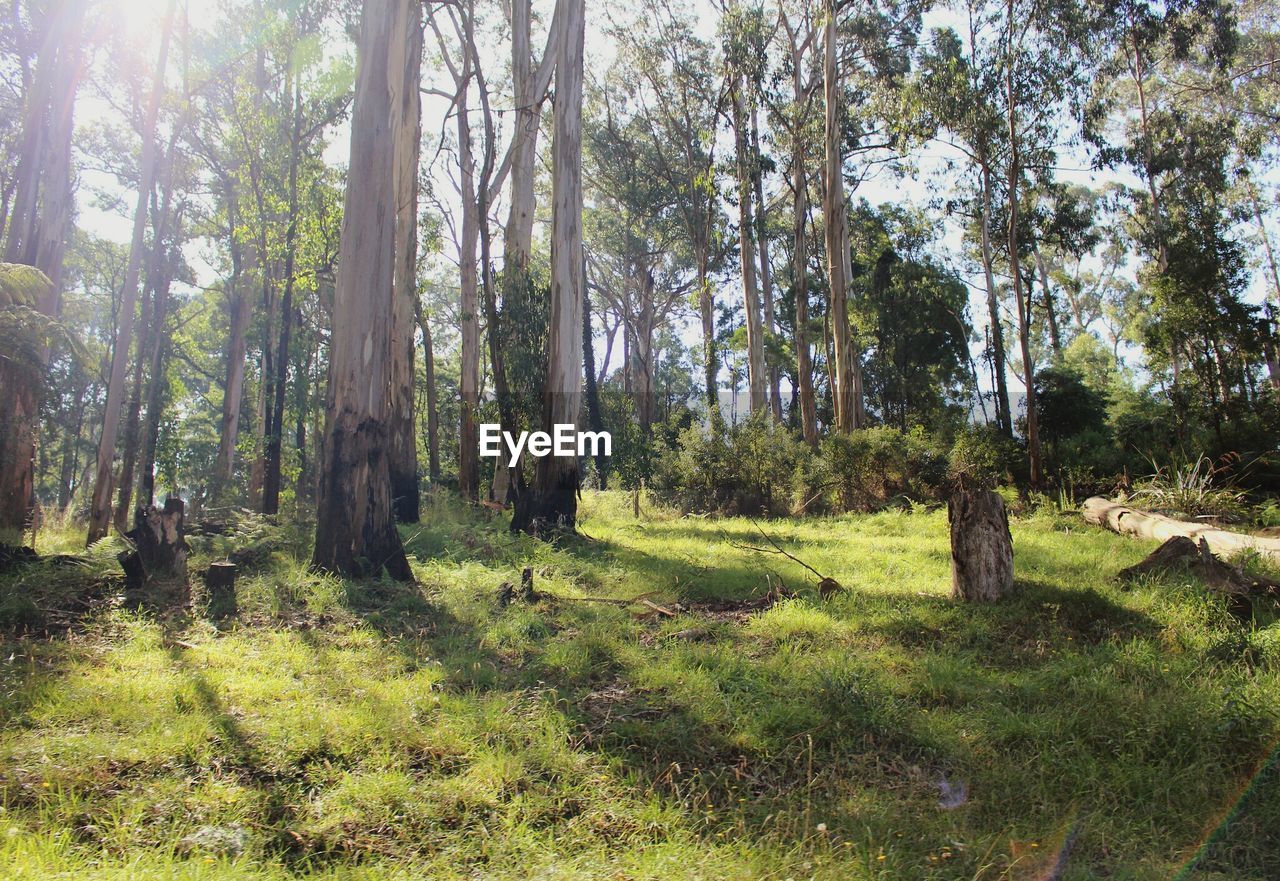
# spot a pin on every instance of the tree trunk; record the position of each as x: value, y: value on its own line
x: 1004, y: 414
x: 750, y: 289
x: 468, y: 430
x: 355, y: 524
x: 595, y: 420
x: 846, y: 394
x: 403, y: 461
x: 240, y: 313
x: 1015, y: 274
x: 766, y: 266
x: 36, y: 228
x: 1050, y: 308
x: 157, y: 384
x: 433, y: 401
x: 710, y: 364
x: 981, y: 546
x: 800, y: 284
x: 220, y: 589
x: 551, y: 504
x: 275, y: 426
x: 133, y: 414
x: 100, y: 507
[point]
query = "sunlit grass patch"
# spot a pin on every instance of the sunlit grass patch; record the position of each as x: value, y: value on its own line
x: 368, y: 729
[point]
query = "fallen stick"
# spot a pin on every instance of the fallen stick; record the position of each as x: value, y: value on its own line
x: 778, y: 549
x: 615, y: 601
x: 657, y: 608
x: 1131, y: 521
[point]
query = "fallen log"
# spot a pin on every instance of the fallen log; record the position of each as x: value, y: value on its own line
x: 1130, y: 521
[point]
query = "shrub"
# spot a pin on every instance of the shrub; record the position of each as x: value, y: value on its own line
x: 984, y: 455
x: 746, y: 471
x: 869, y: 469
x: 1193, y: 489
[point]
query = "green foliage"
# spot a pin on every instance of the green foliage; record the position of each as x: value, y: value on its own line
x: 871, y: 468
x: 984, y: 455
x: 1192, y: 489
x: 746, y: 471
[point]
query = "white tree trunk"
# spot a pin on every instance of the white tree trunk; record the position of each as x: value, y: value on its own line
x: 1130, y: 521
x: 552, y: 504
x: 468, y: 433
x: 406, y: 58
x: 847, y: 394
x: 756, y: 379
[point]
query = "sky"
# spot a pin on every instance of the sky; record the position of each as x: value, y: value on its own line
x: 143, y: 17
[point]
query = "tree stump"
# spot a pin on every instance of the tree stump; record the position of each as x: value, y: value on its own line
x: 158, y: 561
x: 981, y: 546
x: 220, y: 589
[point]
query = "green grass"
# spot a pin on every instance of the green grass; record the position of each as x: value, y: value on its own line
x: 371, y: 730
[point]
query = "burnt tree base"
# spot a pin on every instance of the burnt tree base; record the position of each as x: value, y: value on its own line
x: 405, y: 496
x: 548, y: 512
x: 155, y: 570
x: 981, y: 546
x: 355, y: 526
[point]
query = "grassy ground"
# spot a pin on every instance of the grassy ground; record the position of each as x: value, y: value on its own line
x: 371, y: 730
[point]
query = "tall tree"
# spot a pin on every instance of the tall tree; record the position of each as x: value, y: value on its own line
x: 796, y: 118
x: 551, y: 504
x: 100, y: 507
x: 847, y: 391
x: 355, y: 524
x: 407, y: 103
x: 36, y: 226
x: 742, y: 30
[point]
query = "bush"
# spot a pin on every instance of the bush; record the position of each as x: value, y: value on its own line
x: 982, y: 454
x: 1191, y: 490
x: 870, y: 469
x: 746, y: 471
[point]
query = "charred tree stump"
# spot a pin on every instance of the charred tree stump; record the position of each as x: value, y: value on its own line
x: 220, y: 589
x: 981, y: 546
x: 156, y: 569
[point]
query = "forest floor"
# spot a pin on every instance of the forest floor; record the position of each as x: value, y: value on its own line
x: 371, y: 730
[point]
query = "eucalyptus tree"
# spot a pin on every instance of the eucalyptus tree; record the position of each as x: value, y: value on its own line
x: 453, y: 26
x: 744, y: 36
x: 100, y: 510
x: 678, y: 98
x: 639, y: 257
x: 958, y: 87
x: 355, y: 522
x: 551, y: 504
x: 35, y: 219
x: 407, y: 131
x: 866, y: 54
x: 1181, y: 146
x: 796, y: 117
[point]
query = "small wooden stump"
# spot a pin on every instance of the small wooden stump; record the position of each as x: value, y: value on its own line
x: 527, y: 593
x: 981, y: 546
x: 220, y: 589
